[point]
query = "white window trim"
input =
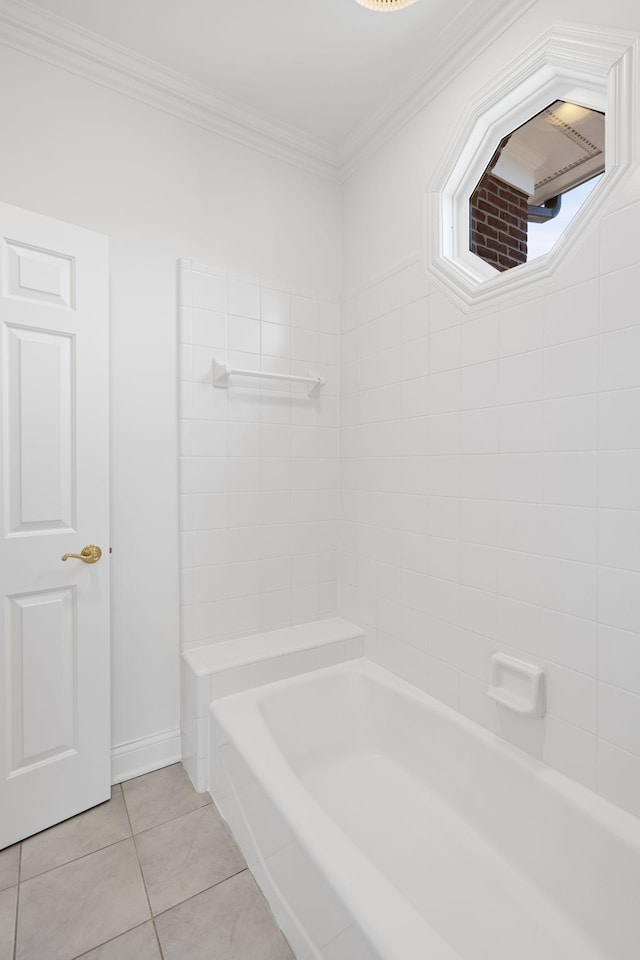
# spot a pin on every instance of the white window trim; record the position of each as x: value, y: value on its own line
x: 590, y: 67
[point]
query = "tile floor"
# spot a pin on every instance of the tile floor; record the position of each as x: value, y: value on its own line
x: 153, y: 874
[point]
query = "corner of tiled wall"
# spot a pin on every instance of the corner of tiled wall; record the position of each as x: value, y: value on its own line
x: 490, y: 498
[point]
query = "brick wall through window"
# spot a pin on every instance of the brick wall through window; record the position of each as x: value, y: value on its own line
x: 498, y: 214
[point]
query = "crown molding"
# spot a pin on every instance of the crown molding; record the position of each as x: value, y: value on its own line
x: 43, y: 35
x: 463, y: 41
x: 40, y: 34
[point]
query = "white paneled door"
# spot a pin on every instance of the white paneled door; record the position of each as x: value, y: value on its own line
x: 54, y: 626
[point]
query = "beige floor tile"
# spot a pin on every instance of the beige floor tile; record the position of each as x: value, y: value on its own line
x: 9, y: 863
x: 160, y: 796
x: 8, y: 900
x: 184, y: 856
x: 72, y: 909
x: 96, y: 828
x: 228, y: 922
x: 138, y: 944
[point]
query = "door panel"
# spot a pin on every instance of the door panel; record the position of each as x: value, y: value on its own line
x: 54, y: 625
x: 40, y: 487
x: 43, y: 276
x: 41, y: 677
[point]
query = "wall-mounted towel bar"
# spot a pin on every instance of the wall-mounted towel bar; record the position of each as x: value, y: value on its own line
x: 222, y: 371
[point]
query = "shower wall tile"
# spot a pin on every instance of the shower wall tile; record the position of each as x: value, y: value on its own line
x: 618, y: 293
x: 490, y: 498
x: 619, y: 658
x: 259, y: 469
x: 619, y: 776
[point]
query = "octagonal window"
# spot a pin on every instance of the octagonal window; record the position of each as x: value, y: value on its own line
x: 540, y: 175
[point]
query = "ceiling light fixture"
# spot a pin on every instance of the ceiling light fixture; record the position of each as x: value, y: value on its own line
x: 385, y: 5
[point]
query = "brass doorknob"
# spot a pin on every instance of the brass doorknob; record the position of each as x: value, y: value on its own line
x: 89, y: 554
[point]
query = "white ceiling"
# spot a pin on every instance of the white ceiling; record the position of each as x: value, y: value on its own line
x: 323, y: 67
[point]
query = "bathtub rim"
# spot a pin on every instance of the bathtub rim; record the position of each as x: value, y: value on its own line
x: 624, y: 824
x: 243, y: 723
x: 358, y: 879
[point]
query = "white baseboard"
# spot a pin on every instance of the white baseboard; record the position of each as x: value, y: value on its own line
x: 141, y: 756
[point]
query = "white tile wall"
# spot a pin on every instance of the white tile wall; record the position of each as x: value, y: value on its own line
x: 490, y: 499
x: 258, y: 462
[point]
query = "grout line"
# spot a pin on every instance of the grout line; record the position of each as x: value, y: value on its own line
x: 82, y: 856
x: 193, y: 896
x: 144, y: 883
x: 79, y: 956
x: 15, y: 926
x: 172, y: 819
x: 152, y: 915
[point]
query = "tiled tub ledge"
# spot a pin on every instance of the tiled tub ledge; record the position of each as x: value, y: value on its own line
x: 233, y: 666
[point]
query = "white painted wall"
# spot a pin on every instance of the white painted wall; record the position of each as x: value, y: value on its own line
x: 160, y: 189
x: 491, y: 462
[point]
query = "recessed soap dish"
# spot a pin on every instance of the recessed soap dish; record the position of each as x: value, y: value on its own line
x: 517, y: 685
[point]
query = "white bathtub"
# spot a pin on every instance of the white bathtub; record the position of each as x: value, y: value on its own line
x: 382, y: 825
